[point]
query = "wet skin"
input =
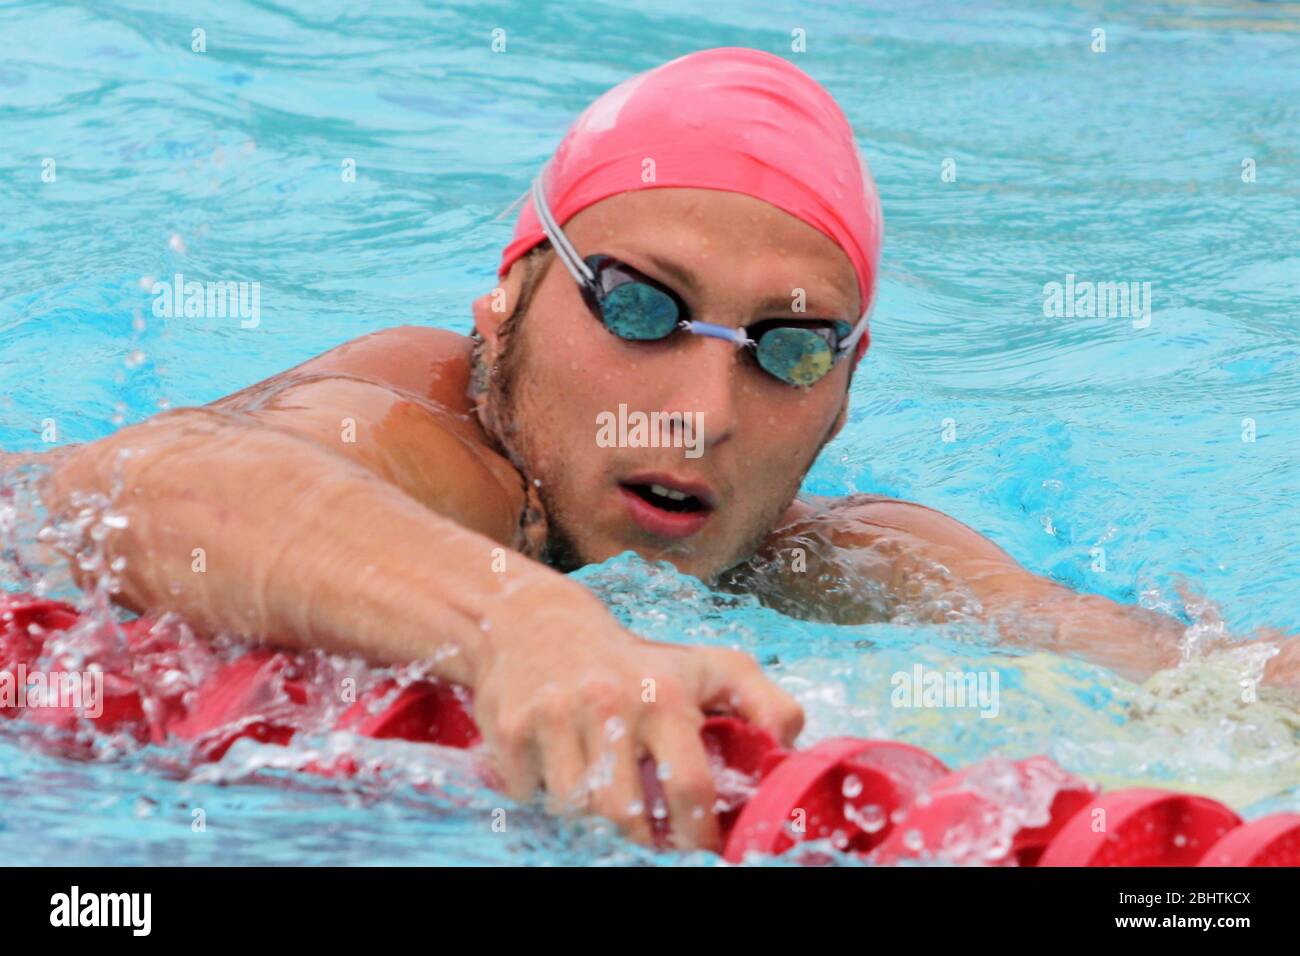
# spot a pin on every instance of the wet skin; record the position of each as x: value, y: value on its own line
x: 741, y: 258
x: 469, y: 459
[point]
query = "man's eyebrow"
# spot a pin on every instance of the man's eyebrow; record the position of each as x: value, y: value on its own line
x: 680, y: 273
x: 776, y: 303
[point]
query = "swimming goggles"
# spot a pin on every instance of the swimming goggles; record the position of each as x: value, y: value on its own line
x: 636, y: 308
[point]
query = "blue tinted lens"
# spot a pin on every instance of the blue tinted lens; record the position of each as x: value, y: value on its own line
x: 794, y: 355
x: 639, y: 312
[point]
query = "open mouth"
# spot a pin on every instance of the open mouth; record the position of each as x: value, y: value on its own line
x: 669, y: 499
x: 666, y: 507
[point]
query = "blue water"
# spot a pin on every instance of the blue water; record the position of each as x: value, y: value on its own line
x: 1070, y: 433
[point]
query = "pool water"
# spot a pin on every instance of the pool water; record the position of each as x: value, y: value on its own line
x: 1009, y: 155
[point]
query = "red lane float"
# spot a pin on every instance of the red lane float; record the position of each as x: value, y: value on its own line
x: 1270, y: 841
x: 884, y: 801
x: 240, y: 702
x: 1140, y: 827
x: 24, y: 626
x: 426, y: 711
x: 846, y: 790
x: 973, y: 816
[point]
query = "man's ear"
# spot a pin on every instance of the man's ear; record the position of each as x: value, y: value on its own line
x: 494, y: 307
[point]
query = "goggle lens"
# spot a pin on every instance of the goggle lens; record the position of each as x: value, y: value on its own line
x: 796, y: 356
x: 636, y: 310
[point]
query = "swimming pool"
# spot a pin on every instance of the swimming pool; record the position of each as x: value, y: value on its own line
x: 1070, y: 434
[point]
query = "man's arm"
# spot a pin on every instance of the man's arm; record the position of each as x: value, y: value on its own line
x: 260, y: 531
x: 893, y: 557
x: 391, y: 546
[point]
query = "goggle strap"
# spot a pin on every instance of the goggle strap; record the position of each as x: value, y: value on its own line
x: 851, y: 342
x: 739, y: 336
x: 563, y: 248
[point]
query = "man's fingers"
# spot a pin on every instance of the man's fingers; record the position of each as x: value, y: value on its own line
x: 737, y: 684
x: 683, y: 772
x: 515, y: 766
x: 614, y: 775
x: 564, y: 762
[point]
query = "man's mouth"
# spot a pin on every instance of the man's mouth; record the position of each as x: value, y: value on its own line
x: 666, y: 507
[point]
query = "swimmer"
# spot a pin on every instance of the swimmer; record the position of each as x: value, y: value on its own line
x: 701, y: 253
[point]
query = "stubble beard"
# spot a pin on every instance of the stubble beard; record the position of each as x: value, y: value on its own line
x: 499, y: 414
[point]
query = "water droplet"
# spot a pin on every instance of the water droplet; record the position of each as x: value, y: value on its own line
x: 872, y: 818
x: 852, y: 786
x: 176, y: 243
x: 614, y: 730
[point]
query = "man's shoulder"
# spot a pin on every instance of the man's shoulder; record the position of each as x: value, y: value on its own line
x: 834, y: 516
x: 808, y: 506
x: 431, y: 363
x: 873, y: 515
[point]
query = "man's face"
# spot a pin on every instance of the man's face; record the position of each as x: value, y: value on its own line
x: 734, y: 260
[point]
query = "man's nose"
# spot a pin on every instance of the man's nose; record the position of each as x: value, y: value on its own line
x: 704, y: 377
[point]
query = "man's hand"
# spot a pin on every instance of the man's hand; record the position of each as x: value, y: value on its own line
x: 574, y: 702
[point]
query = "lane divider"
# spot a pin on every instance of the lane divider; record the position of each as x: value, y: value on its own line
x: 885, y: 801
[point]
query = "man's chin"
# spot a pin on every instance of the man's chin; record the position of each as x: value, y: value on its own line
x: 565, y: 553
x: 682, y: 556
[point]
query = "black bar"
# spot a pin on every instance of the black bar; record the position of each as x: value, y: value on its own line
x: 930, y: 905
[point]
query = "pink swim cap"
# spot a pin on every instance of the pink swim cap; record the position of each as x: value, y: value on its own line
x: 730, y: 118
